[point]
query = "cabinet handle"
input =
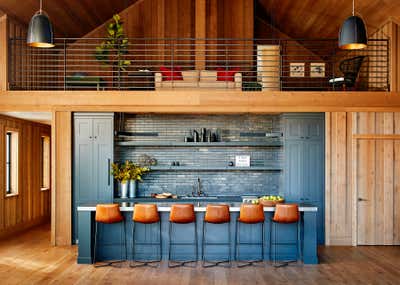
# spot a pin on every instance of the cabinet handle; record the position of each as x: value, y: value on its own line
x: 95, y: 137
x: 307, y: 137
x: 302, y: 137
x: 90, y: 137
x: 108, y: 170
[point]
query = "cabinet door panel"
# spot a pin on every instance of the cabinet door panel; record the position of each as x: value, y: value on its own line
x: 294, y: 128
x: 293, y: 170
x: 314, y: 129
x: 83, y: 160
x: 103, y: 156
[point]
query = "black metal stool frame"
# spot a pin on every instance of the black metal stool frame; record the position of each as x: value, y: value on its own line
x: 176, y: 263
x: 109, y: 263
x: 298, y: 244
x: 238, y: 244
x: 204, y: 244
x: 140, y: 263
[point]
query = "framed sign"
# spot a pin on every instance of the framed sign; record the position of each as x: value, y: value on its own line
x: 317, y: 69
x: 297, y: 69
x: 242, y: 161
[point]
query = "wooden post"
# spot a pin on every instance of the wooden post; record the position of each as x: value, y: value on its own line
x: 200, y: 32
x: 61, y: 178
x: 3, y: 52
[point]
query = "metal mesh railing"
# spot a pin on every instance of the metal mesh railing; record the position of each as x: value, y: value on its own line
x: 161, y: 64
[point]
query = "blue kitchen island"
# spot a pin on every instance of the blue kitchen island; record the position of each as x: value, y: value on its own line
x: 110, y: 237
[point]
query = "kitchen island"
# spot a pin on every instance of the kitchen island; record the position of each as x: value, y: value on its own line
x: 110, y: 236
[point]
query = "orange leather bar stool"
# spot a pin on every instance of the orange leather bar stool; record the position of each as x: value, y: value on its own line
x: 250, y: 214
x: 146, y: 214
x: 216, y: 214
x: 285, y: 214
x: 181, y: 214
x: 108, y: 214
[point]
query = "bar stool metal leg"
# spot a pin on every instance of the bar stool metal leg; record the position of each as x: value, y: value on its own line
x: 206, y: 263
x: 298, y: 246
x: 108, y: 263
x: 176, y: 263
x: 238, y: 243
x: 141, y: 263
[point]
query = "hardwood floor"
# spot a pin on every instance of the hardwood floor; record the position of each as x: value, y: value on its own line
x: 29, y: 259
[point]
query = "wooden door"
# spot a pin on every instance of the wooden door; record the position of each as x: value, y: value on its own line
x: 376, y: 183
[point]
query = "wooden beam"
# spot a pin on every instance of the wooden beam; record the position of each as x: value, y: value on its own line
x: 200, y: 32
x: 61, y: 199
x: 3, y: 52
x: 199, y: 101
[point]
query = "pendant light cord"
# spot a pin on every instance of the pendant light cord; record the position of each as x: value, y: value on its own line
x: 40, y: 7
x: 353, y: 7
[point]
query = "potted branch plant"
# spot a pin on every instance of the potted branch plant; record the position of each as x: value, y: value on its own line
x: 112, y: 52
x: 121, y: 173
x: 136, y: 173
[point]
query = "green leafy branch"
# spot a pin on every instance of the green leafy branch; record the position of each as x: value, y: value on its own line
x: 111, y: 52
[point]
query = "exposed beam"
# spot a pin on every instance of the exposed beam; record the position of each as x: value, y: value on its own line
x: 199, y: 101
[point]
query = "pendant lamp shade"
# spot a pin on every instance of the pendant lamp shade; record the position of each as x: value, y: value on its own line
x: 353, y: 34
x: 40, y: 31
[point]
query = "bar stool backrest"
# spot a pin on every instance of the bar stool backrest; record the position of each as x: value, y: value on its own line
x: 108, y: 213
x: 217, y: 214
x: 182, y: 214
x: 251, y: 213
x: 145, y: 213
x: 286, y: 213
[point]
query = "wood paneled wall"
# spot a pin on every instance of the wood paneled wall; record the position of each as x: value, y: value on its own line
x: 61, y: 200
x: 362, y: 153
x: 31, y: 206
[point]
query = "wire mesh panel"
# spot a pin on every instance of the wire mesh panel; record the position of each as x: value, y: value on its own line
x: 162, y: 64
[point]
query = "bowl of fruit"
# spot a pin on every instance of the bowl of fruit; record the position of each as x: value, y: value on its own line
x: 271, y: 200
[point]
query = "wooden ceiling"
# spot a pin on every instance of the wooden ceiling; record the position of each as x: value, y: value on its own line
x: 296, y: 18
x: 323, y: 18
x: 70, y: 18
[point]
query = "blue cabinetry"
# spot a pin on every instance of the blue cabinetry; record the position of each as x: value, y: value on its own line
x: 305, y: 163
x: 92, y: 155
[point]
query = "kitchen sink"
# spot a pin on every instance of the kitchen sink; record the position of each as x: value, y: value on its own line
x: 199, y: 197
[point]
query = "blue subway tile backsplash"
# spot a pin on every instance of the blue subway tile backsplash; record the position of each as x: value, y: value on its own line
x: 216, y: 181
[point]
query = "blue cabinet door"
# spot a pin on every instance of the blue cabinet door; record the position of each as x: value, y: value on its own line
x: 293, y: 170
x: 305, y: 163
x: 93, y: 152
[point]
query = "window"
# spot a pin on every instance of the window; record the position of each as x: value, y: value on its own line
x: 11, y: 163
x: 45, y: 161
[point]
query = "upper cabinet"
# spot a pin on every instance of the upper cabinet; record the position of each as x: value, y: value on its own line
x: 306, y: 126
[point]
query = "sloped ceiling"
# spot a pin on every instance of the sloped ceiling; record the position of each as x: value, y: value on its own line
x: 322, y: 18
x: 296, y: 18
x: 70, y: 18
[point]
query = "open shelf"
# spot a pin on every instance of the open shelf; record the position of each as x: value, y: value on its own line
x: 214, y: 168
x: 198, y: 144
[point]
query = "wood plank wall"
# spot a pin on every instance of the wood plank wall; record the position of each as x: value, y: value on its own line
x: 61, y: 200
x: 362, y: 153
x: 31, y: 206
x: 177, y: 19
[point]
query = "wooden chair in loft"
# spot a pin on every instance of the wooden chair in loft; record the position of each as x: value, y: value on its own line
x: 350, y: 68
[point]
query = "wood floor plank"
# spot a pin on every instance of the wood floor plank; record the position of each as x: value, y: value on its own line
x: 30, y: 259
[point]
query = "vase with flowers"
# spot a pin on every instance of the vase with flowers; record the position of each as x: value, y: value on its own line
x: 121, y: 173
x: 136, y: 173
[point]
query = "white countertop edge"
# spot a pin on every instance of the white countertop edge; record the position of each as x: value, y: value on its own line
x: 197, y: 209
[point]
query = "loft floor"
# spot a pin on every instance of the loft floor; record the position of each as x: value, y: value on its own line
x: 29, y: 259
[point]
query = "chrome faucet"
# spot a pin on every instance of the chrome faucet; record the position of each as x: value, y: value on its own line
x: 197, y: 190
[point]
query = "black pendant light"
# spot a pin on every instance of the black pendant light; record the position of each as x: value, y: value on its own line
x: 40, y: 31
x: 352, y: 34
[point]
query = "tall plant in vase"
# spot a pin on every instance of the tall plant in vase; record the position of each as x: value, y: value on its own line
x: 136, y: 173
x: 112, y: 52
x: 121, y: 173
